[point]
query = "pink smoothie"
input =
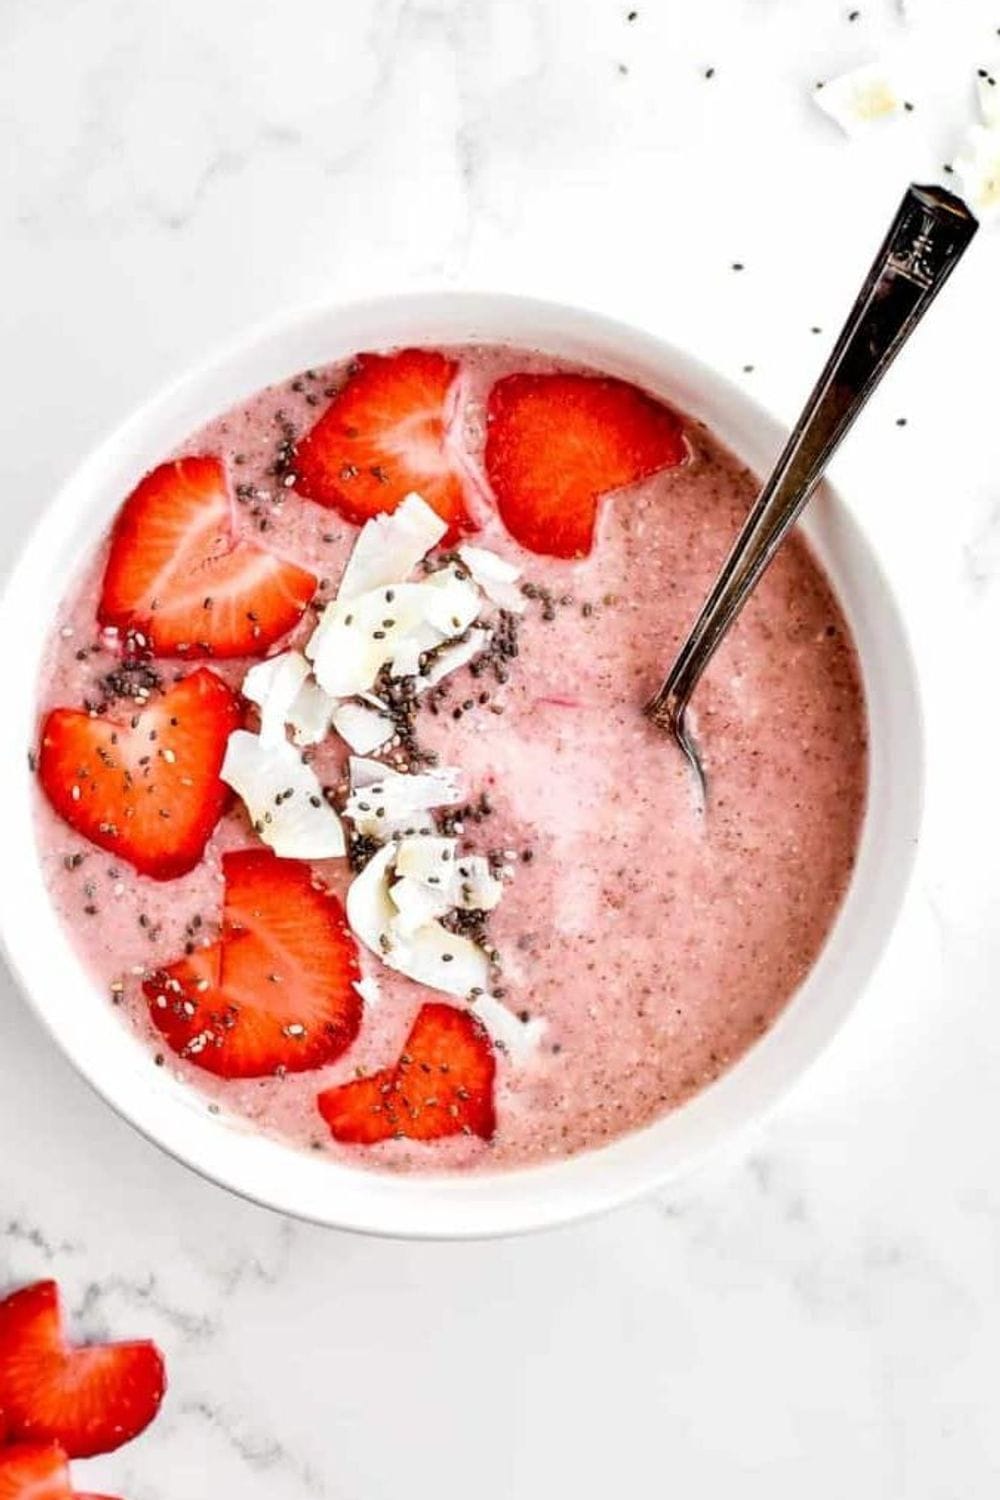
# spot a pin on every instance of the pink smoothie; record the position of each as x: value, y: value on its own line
x: 656, y: 943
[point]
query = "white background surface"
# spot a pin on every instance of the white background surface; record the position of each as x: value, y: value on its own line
x: 816, y: 1313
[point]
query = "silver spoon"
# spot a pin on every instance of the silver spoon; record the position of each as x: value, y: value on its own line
x: 925, y: 242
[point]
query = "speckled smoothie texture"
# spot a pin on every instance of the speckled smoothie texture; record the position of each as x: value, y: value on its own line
x: 657, y: 944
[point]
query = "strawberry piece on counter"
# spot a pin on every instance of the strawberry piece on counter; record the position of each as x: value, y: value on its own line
x: 385, y: 434
x: 146, y: 788
x: 277, y: 992
x: 177, y: 578
x: 37, y: 1471
x: 89, y: 1398
x: 442, y: 1085
x: 556, y: 443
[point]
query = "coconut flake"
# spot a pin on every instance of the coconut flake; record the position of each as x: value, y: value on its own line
x: 370, y: 991
x: 450, y: 658
x: 310, y: 714
x: 430, y: 954
x: 274, y: 685
x: 988, y: 91
x: 495, y: 576
x: 429, y: 859
x: 389, y: 547
x: 518, y: 1038
x: 416, y: 904
x: 860, y: 100
x: 977, y: 166
x: 356, y: 638
x: 283, y: 798
x: 384, y: 801
x: 474, y: 887
x: 363, y: 728
x: 389, y: 915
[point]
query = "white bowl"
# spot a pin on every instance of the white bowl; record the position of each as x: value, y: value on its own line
x: 117, y: 1064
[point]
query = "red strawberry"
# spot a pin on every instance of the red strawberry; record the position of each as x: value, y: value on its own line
x: 387, y: 433
x: 556, y: 443
x: 441, y: 1085
x: 276, y: 994
x: 147, y: 789
x: 89, y: 1399
x: 176, y: 575
x: 37, y: 1471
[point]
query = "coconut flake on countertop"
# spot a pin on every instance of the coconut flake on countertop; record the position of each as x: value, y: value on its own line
x: 977, y: 167
x: 988, y: 90
x: 861, y: 100
x: 390, y: 546
x: 283, y: 798
x: 495, y: 576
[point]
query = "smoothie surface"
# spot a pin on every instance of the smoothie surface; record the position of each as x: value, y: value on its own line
x: 656, y: 943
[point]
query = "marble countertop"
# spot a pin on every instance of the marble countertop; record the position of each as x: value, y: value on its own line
x: 816, y: 1312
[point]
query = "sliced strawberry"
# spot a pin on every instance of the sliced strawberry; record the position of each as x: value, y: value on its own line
x: 387, y: 433
x: 556, y: 443
x: 176, y: 575
x: 146, y: 788
x: 37, y: 1471
x: 277, y: 993
x: 441, y: 1085
x: 89, y: 1399
x: 360, y: 1112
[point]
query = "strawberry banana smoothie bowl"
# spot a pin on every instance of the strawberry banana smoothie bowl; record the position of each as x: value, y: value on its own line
x: 346, y: 795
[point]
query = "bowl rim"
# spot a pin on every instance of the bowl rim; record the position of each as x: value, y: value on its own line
x: 517, y: 1199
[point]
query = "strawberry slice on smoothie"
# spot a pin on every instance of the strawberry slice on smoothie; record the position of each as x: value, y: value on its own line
x: 38, y: 1471
x: 277, y: 993
x: 146, y: 788
x: 177, y: 577
x: 442, y: 1085
x: 386, y: 433
x: 89, y: 1398
x: 555, y: 444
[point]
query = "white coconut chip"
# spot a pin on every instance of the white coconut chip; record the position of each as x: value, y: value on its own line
x: 988, y: 90
x: 861, y: 100
x: 429, y: 859
x: 382, y: 912
x: 310, y: 715
x: 383, y: 802
x: 274, y: 686
x: 474, y: 887
x: 977, y: 167
x: 356, y: 638
x: 518, y: 1038
x: 362, y: 727
x: 430, y: 955
x: 495, y: 576
x: 390, y: 547
x: 453, y: 602
x: 283, y: 797
x: 451, y: 658
x: 416, y: 904
x: 370, y: 991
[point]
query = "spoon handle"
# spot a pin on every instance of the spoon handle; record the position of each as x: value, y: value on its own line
x: 926, y: 241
